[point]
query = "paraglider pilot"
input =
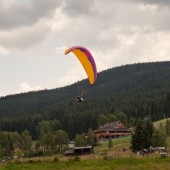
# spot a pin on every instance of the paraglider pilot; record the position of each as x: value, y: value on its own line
x: 79, y: 99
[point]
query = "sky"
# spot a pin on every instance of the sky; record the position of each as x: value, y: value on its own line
x: 34, y: 35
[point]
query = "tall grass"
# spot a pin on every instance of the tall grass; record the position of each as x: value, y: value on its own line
x: 117, y: 164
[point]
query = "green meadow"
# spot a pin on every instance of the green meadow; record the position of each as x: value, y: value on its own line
x: 157, y: 123
x: 117, y: 164
x: 120, y: 160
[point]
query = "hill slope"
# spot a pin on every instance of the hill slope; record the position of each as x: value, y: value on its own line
x: 137, y: 90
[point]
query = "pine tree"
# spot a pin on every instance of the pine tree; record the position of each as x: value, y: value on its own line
x: 148, y: 131
x: 137, y: 138
x: 167, y: 105
x: 167, y: 127
x: 91, y: 138
x: 142, y: 137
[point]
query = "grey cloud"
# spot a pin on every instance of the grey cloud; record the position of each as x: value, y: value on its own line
x: 163, y: 2
x: 24, y: 38
x: 26, y: 13
x: 155, y: 2
x: 78, y: 7
x: 161, y: 21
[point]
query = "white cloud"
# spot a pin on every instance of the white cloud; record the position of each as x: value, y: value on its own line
x: 149, y: 7
x: 25, y: 87
x: 3, y: 51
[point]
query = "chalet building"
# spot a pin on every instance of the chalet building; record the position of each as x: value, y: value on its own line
x: 113, y: 130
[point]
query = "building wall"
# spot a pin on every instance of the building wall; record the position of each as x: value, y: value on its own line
x: 112, y: 129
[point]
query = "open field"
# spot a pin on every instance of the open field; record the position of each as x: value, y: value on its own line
x: 116, y: 159
x: 117, y: 164
x: 157, y: 123
x: 117, y: 150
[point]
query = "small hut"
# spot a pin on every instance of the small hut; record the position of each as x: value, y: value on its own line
x: 84, y: 150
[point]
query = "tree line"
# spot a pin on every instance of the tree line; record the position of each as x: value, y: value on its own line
x: 15, y: 145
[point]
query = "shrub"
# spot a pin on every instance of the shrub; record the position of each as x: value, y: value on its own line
x: 55, y: 159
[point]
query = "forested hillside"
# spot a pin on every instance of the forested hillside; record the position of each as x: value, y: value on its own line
x: 137, y: 90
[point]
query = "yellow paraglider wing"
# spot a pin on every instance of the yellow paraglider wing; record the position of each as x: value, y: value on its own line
x: 86, y: 60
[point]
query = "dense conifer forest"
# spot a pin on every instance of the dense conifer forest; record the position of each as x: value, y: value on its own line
x: 136, y: 90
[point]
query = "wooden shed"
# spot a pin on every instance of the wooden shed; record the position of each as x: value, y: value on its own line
x: 84, y: 150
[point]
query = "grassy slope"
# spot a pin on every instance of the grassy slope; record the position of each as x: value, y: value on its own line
x: 118, y: 145
x: 157, y: 123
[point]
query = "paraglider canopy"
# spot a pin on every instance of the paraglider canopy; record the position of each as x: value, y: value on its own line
x: 87, y: 61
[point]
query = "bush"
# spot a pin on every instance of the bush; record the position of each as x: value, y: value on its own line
x: 55, y: 159
x: 30, y: 161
